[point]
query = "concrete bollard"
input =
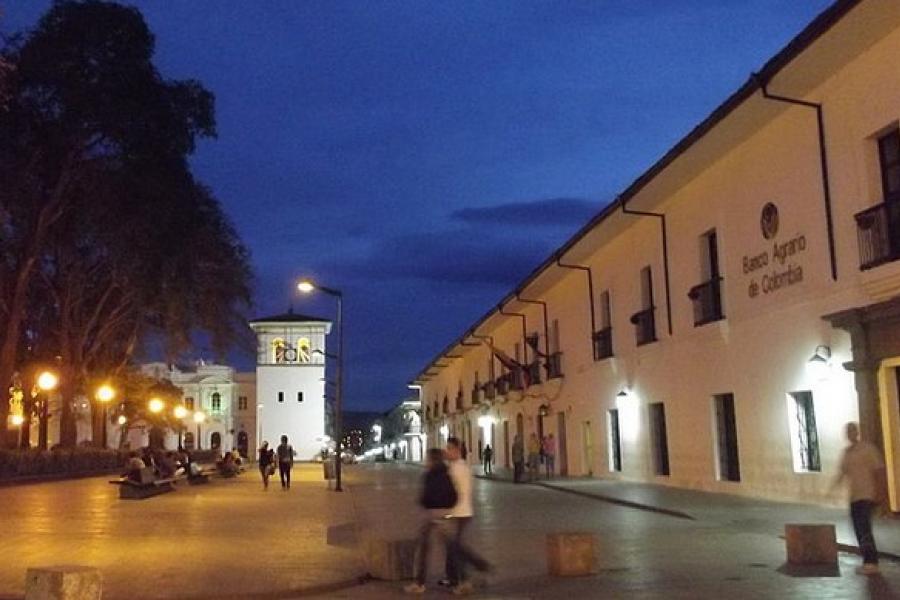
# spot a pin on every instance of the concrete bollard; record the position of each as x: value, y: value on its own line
x: 390, y: 560
x: 63, y: 583
x: 811, y: 544
x: 570, y: 554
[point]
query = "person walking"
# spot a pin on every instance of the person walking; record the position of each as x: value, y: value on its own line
x: 266, y: 462
x: 458, y: 554
x: 286, y: 455
x: 438, y: 498
x: 534, y: 457
x: 518, y: 457
x: 863, y: 470
x: 487, y: 456
x: 549, y: 447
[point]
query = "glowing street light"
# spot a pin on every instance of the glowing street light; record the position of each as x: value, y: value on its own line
x: 105, y: 394
x: 156, y: 405
x: 180, y: 412
x: 122, y: 419
x: 306, y: 286
x: 47, y: 381
x: 17, y: 420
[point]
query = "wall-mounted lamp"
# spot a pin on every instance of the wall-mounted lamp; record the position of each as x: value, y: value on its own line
x: 819, y: 364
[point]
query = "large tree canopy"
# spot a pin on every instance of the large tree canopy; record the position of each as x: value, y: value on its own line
x: 106, y: 238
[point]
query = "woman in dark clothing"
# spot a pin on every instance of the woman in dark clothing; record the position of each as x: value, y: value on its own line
x: 266, y: 463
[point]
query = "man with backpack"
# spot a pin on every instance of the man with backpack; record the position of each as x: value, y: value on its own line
x: 438, y: 498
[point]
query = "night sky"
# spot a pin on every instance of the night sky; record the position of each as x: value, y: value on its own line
x: 425, y: 156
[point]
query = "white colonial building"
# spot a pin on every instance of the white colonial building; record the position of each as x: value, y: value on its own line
x: 224, y: 399
x: 290, y: 381
x: 717, y: 325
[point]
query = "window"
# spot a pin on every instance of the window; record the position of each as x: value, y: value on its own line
x: 603, y: 336
x: 299, y: 396
x: 188, y: 440
x: 659, y: 439
x: 242, y: 402
x: 304, y: 352
x: 804, y: 435
x: 281, y: 396
x: 554, y: 361
x: 643, y: 320
x: 726, y: 438
x: 216, y: 402
x: 278, y: 351
x: 889, y: 161
x: 189, y: 403
x: 707, y: 295
x: 615, y: 441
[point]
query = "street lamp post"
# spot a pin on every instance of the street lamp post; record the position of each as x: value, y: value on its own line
x: 307, y: 287
x: 199, y: 417
x: 46, y: 382
x: 180, y: 413
x: 105, y: 393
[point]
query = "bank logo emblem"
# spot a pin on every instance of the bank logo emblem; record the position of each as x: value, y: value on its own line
x: 768, y: 221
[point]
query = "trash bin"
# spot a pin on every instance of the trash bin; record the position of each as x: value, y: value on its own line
x: 328, y: 468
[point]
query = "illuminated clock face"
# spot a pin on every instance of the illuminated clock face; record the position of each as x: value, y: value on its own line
x: 768, y: 221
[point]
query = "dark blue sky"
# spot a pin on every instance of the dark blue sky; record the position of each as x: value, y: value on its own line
x: 424, y: 156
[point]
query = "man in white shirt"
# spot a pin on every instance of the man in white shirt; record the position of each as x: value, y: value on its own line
x: 862, y: 468
x: 458, y: 554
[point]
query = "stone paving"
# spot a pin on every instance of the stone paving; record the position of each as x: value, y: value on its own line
x: 641, y: 554
x: 228, y: 539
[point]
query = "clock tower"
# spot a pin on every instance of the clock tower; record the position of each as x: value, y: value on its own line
x: 290, y: 381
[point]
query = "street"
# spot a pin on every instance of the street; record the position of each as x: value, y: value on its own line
x: 231, y: 539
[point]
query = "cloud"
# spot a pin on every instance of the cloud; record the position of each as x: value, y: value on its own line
x: 548, y: 212
x: 453, y: 256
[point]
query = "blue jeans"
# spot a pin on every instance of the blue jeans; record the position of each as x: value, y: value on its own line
x: 861, y: 514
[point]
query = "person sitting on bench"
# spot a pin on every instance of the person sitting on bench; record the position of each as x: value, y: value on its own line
x: 133, y: 467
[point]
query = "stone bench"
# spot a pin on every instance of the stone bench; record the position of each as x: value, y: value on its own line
x: 809, y: 544
x: 570, y: 554
x: 198, y: 479
x: 63, y: 583
x: 390, y: 560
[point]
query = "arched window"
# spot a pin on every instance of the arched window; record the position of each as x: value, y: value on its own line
x: 216, y: 402
x: 304, y: 350
x: 243, y: 443
x: 188, y: 441
x: 215, y: 440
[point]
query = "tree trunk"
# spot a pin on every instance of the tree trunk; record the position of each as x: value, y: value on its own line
x: 10, y: 343
x: 68, y: 432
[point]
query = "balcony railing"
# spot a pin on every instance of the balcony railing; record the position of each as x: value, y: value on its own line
x: 502, y: 385
x: 878, y: 234
x: 490, y: 390
x: 534, y: 373
x: 707, y: 299
x: 603, y: 347
x: 554, y: 366
x: 644, y: 326
x: 516, y: 379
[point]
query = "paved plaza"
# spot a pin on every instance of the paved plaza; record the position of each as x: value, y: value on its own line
x: 230, y: 540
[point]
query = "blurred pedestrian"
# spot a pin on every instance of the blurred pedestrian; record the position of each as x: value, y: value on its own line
x: 518, y: 457
x: 286, y: 455
x: 438, y: 497
x: 266, y: 462
x: 549, y: 447
x: 458, y: 553
x: 863, y: 470
x: 488, y: 457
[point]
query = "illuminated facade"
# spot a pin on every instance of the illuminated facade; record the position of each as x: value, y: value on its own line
x: 290, y: 381
x: 717, y: 324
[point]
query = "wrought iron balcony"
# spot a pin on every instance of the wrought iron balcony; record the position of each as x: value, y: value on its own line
x: 644, y: 326
x: 503, y: 385
x: 603, y: 347
x: 516, y: 379
x: 534, y: 373
x: 707, y: 299
x: 878, y: 233
x: 554, y: 366
x: 459, y: 400
x: 490, y: 390
x: 476, y: 395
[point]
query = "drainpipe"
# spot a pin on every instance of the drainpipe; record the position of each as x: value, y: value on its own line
x: 590, y: 281
x: 665, y: 249
x: 546, y: 324
x: 490, y: 340
x: 823, y: 162
x: 524, y: 333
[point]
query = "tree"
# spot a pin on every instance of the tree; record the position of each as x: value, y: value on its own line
x: 93, y: 153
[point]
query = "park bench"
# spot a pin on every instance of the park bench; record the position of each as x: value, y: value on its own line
x: 148, y: 485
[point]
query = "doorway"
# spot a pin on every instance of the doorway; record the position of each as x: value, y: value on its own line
x: 587, y: 440
x: 889, y: 393
x: 243, y: 443
x: 506, y: 451
x: 562, y: 452
x: 215, y: 440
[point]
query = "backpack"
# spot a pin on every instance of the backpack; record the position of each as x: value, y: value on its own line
x: 439, y: 491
